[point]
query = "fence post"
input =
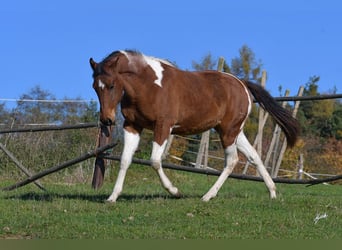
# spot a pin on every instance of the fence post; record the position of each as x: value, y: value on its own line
x: 261, y: 116
x: 273, y: 148
x: 202, y: 156
x: 283, y: 148
x: 300, y: 166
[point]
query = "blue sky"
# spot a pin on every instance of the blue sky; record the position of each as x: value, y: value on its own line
x: 49, y: 43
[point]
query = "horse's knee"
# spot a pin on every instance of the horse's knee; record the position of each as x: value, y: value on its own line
x: 231, y: 156
x: 155, y: 164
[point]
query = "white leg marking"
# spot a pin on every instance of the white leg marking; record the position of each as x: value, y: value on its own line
x: 252, y: 156
x: 131, y: 142
x: 156, y: 156
x: 156, y: 67
x: 231, y: 158
x: 101, y: 85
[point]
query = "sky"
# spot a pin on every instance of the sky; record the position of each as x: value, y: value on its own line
x: 49, y: 43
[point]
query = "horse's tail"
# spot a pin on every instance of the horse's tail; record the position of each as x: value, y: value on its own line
x: 283, y: 117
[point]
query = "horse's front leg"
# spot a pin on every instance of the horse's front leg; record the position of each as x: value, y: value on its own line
x: 158, y: 147
x: 131, y: 142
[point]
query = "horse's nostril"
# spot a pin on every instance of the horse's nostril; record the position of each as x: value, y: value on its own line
x: 107, y: 122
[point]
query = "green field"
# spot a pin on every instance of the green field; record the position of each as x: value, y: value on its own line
x: 242, y: 210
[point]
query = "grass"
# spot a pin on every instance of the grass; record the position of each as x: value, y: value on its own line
x: 242, y: 210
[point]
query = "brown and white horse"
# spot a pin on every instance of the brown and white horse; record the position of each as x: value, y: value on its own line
x: 156, y: 95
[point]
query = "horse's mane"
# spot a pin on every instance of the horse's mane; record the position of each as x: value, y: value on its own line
x: 135, y: 53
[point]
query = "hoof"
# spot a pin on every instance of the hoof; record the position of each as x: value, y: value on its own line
x: 177, y: 195
x: 110, y: 200
x: 273, y: 195
x: 174, y: 192
x: 206, y: 198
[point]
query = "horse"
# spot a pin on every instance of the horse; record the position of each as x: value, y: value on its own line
x: 156, y: 95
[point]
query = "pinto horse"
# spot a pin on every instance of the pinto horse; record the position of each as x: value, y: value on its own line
x: 156, y: 95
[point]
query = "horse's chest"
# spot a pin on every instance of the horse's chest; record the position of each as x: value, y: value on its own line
x: 138, y: 116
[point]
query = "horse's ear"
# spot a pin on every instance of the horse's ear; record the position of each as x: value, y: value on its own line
x: 93, y: 64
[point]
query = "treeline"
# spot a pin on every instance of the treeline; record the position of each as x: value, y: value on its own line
x: 39, y: 106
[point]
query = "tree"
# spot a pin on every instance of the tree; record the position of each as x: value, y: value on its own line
x: 336, y: 121
x: 36, y: 112
x: 311, y: 89
x: 48, y: 110
x: 5, y: 115
x: 245, y: 66
x: 90, y: 113
x: 207, y: 63
x: 320, y: 118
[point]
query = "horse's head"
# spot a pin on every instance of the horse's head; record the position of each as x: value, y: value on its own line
x: 117, y: 69
x: 108, y: 86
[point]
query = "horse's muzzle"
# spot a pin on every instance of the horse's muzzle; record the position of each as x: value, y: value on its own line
x: 107, y: 122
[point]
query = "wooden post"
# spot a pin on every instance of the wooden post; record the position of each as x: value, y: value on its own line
x: 261, y: 116
x: 283, y: 148
x: 220, y: 64
x: 273, y: 148
x: 202, y: 155
x: 300, y: 166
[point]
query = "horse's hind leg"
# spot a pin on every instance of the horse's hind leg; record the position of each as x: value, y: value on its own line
x: 156, y: 160
x: 247, y: 149
x: 231, y: 158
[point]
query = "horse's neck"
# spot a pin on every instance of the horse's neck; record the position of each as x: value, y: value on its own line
x: 132, y: 89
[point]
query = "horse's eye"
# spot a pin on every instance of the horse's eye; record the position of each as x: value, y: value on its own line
x: 111, y: 87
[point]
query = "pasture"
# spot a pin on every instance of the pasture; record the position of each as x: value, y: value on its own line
x: 242, y: 210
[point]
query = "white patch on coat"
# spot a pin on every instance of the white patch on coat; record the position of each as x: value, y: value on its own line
x: 153, y: 62
x: 101, y: 85
x: 125, y: 53
x: 157, y: 67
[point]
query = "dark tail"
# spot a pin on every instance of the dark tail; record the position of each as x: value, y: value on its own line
x: 283, y: 117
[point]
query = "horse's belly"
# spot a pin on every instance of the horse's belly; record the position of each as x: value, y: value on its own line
x: 194, y: 128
